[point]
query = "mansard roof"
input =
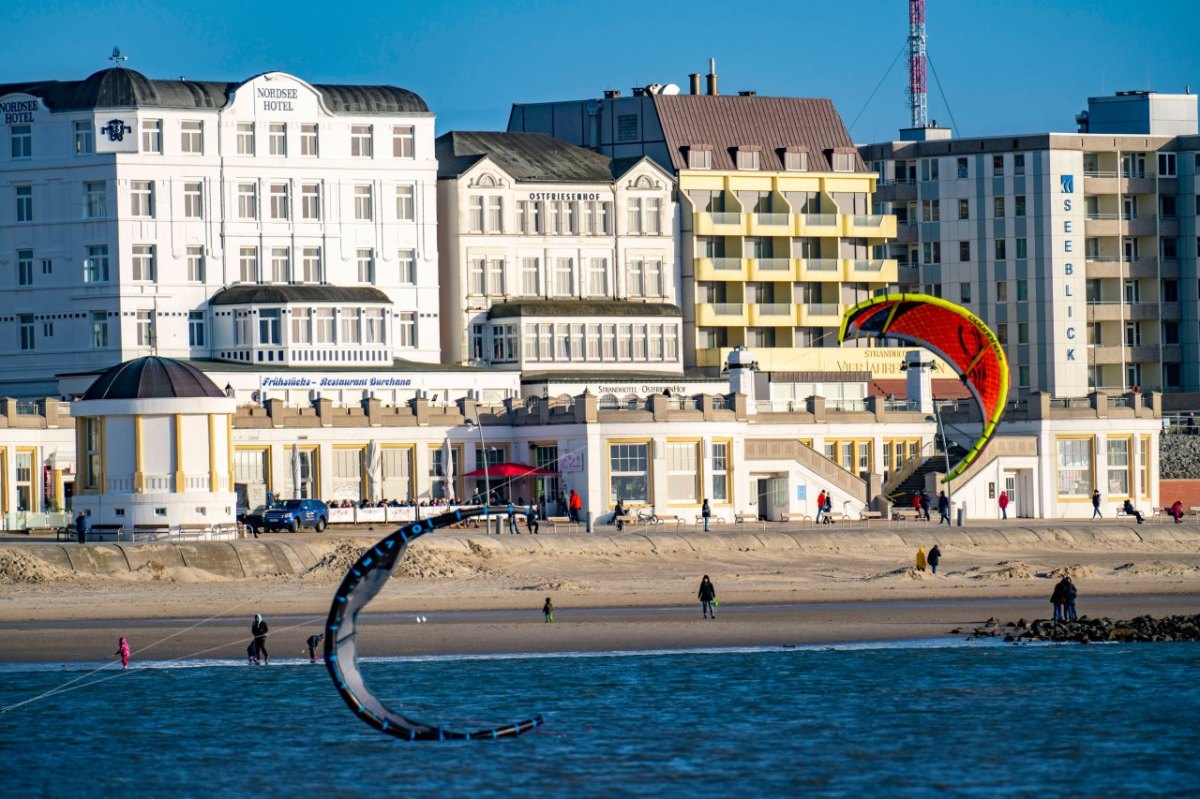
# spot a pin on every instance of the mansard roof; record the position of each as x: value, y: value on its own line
x: 270, y: 294
x: 122, y: 88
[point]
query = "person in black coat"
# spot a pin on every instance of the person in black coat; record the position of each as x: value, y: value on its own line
x: 708, y: 597
x: 81, y: 527
x: 943, y: 509
x: 934, y: 556
x: 925, y: 501
x: 1069, y: 594
x: 259, y: 630
x: 1132, y: 511
x: 1058, y: 598
x: 705, y: 513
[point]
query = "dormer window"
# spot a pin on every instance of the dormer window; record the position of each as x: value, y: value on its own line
x: 843, y: 161
x: 748, y: 158
x: 700, y: 156
x: 795, y: 159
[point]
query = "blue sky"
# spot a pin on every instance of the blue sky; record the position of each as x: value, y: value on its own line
x: 1005, y: 66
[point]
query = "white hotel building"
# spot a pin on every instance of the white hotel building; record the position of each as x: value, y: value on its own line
x: 270, y: 223
x: 556, y: 259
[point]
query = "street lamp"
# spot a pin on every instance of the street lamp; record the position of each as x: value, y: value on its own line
x: 487, y: 483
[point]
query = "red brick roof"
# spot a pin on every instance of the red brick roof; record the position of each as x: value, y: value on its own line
x: 727, y: 122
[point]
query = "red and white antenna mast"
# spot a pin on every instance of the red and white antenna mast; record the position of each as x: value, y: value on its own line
x: 917, y: 97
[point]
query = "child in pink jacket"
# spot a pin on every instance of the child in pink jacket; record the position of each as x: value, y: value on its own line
x: 123, y: 651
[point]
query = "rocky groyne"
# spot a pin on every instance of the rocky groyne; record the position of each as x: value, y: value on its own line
x: 1142, y: 629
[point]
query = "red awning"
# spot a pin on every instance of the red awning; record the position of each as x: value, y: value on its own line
x: 511, y: 470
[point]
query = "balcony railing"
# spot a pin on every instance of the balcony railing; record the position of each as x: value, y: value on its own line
x: 728, y: 309
x: 726, y: 217
x: 773, y: 219
x: 774, y: 264
x: 820, y: 220
x: 1098, y: 215
x: 774, y: 309
x: 867, y: 266
x: 821, y: 264
x: 731, y: 264
x: 1099, y: 173
x: 822, y: 309
x: 868, y: 220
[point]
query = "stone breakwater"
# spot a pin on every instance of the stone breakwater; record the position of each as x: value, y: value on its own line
x: 1141, y: 629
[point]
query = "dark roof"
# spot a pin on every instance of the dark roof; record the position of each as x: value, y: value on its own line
x: 506, y: 310
x: 528, y: 157
x: 152, y: 378
x: 726, y: 122
x: 121, y: 88
x: 256, y: 294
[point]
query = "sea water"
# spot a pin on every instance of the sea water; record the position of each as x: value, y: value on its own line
x: 908, y: 720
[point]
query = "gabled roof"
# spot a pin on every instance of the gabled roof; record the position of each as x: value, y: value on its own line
x: 527, y: 157
x: 726, y: 122
x: 124, y: 88
x: 259, y: 294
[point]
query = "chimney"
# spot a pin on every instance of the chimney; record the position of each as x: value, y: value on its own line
x: 638, y: 91
x: 609, y: 94
x: 712, y: 76
x: 694, y: 83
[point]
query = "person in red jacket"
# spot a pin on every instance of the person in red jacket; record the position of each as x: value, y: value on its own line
x: 1003, y: 503
x: 576, y: 505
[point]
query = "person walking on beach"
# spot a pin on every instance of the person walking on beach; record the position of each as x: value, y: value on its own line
x: 312, y: 643
x: 1003, y: 503
x: 820, y: 505
x: 935, y: 555
x: 943, y: 509
x: 576, y: 505
x: 618, y: 515
x: 1058, y: 598
x: 548, y: 611
x: 81, y: 527
x: 531, y: 520
x: 1096, y: 504
x: 920, y: 559
x: 1069, y: 594
x: 259, y: 630
x: 708, y: 597
x: 926, y: 500
x: 705, y: 513
x: 511, y: 511
x: 828, y: 508
x: 123, y: 651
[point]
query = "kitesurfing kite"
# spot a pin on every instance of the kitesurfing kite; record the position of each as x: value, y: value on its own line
x: 957, y: 336
x: 364, y: 580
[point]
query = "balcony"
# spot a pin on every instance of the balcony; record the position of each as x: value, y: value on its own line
x: 819, y: 314
x: 770, y: 269
x: 906, y: 233
x: 721, y: 314
x: 772, y: 314
x: 875, y: 271
x: 1100, y: 182
x: 1143, y: 354
x: 820, y: 270
x: 771, y: 224
x: 908, y: 275
x: 818, y: 225
x: 1105, y: 355
x: 1105, y: 311
x: 720, y: 269
x: 1098, y: 224
x: 869, y: 226
x: 1172, y: 353
x: 719, y: 223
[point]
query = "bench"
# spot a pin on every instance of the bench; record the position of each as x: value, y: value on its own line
x: 742, y: 518
x: 151, y: 532
x: 714, y: 519
x: 869, y: 516
x: 905, y: 515
x: 555, y: 521
x: 670, y: 518
x: 794, y: 518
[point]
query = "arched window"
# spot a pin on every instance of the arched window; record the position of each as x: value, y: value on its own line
x: 487, y: 181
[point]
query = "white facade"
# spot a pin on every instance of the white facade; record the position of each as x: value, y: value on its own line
x: 532, y: 270
x: 121, y: 222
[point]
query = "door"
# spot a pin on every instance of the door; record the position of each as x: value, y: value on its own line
x: 762, y: 490
x: 308, y: 471
x: 1010, y: 487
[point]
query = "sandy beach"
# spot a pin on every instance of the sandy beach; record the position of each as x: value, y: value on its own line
x: 482, y: 594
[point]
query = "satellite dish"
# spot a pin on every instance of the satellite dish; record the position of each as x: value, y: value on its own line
x: 670, y: 88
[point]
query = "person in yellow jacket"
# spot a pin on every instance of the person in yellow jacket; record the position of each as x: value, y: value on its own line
x: 920, y: 559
